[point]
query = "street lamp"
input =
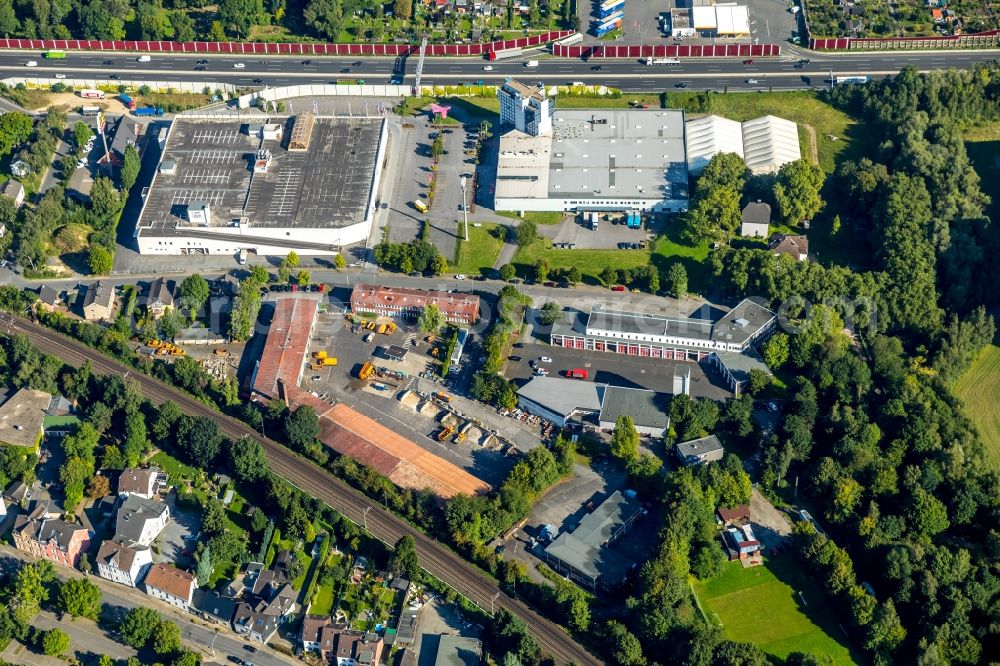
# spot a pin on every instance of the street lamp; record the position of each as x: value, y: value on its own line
x: 465, y: 207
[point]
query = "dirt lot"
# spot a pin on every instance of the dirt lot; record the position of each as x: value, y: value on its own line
x: 770, y: 525
x: 72, y: 100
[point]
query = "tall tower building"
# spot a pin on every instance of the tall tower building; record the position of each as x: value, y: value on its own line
x: 525, y: 109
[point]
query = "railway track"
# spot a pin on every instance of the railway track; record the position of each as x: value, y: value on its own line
x: 436, y: 558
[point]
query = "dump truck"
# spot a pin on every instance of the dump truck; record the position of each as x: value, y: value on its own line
x: 370, y: 326
x: 382, y: 329
x: 459, y: 438
x: 319, y: 355
x: 445, y: 433
x: 329, y: 361
x: 443, y: 397
x: 366, y: 371
x: 155, y: 344
x: 390, y: 328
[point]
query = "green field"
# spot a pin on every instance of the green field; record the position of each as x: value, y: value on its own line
x: 590, y: 262
x: 536, y: 216
x: 477, y: 256
x: 979, y: 389
x: 852, y: 138
x: 762, y: 605
x: 668, y: 249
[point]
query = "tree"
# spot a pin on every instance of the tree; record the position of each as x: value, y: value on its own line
x: 550, y: 313
x: 238, y: 16
x: 928, y: 513
x: 403, y: 9
x: 183, y: 26
x: 339, y: 262
x: 627, y: 649
x: 105, y: 660
x: 437, y: 147
x: 303, y: 278
x: 507, y: 272
x: 404, y: 561
x: 525, y: 233
x: 81, y: 133
x: 796, y: 191
x: 55, y: 642
x: 29, y: 590
x: 200, y: 439
x: 438, y: 264
x: 776, y: 350
x: 101, y: 260
x: 758, y: 381
x: 194, y: 293
x: 573, y: 275
x: 80, y: 598
x: 187, y: 658
x: 677, y: 280
x: 302, y: 427
x: 246, y: 307
x: 204, y: 570
x: 246, y: 457
x: 326, y: 17
x: 213, y: 517
x: 625, y: 440
x: 542, y: 269
x: 166, y: 638
x: 99, y: 487
x: 15, y: 128
x: 714, y: 211
x: 258, y: 276
x: 430, y: 318
x: 291, y: 260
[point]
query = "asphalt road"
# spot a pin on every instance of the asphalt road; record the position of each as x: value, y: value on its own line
x: 434, y: 557
x: 625, y: 74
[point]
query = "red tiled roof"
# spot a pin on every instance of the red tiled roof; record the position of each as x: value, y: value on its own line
x: 171, y: 580
x: 741, y: 512
x: 370, y: 297
x: 285, y: 348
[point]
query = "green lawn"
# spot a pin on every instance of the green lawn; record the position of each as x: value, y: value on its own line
x: 174, y: 468
x: 979, y: 389
x: 536, y: 216
x: 590, y: 262
x: 323, y: 601
x: 668, y: 249
x: 478, y: 255
x: 762, y: 605
x: 853, y: 138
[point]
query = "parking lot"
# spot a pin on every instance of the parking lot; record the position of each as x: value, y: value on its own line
x: 617, y: 370
x: 608, y: 235
x: 178, y: 539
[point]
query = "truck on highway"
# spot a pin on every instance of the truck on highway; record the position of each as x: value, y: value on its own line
x: 503, y: 54
x: 662, y: 61
x: 127, y: 101
x: 55, y: 55
x: 148, y: 111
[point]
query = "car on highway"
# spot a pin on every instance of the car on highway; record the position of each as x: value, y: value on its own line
x: 515, y: 358
x: 680, y: 85
x: 60, y: 76
x: 202, y: 62
x: 748, y: 62
x: 239, y: 65
x: 249, y: 648
x: 259, y: 81
x: 460, y: 276
x: 488, y: 68
x: 108, y: 62
x: 356, y: 63
x: 199, y: 68
x: 345, y: 70
x: 143, y: 58
x: 31, y: 63
x: 114, y: 77
x: 596, y: 68
x: 752, y: 81
x: 307, y: 62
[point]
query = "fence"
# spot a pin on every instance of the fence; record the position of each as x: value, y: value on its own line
x: 105, y: 84
x: 978, y: 40
x: 387, y: 91
x: 668, y: 51
x: 261, y: 48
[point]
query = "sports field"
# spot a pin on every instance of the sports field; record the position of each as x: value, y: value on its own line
x: 762, y: 605
x: 979, y: 389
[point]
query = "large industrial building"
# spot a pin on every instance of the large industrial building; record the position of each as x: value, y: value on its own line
x: 727, y: 342
x: 587, y: 159
x: 384, y: 301
x: 764, y: 143
x: 305, y: 183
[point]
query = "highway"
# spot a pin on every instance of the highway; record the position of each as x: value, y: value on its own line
x: 625, y: 74
x: 437, y: 559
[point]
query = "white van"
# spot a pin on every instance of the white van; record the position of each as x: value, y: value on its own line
x: 143, y: 59
x: 238, y: 65
x: 31, y: 63
x: 531, y: 63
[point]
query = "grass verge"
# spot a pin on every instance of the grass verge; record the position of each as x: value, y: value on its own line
x: 776, y: 607
x: 536, y: 216
x: 590, y: 262
x: 477, y: 255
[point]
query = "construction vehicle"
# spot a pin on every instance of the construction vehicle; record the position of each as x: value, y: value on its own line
x: 329, y: 362
x: 177, y: 351
x: 155, y: 344
x: 319, y: 355
x: 315, y: 366
x: 443, y: 397
x: 366, y: 371
x: 221, y: 352
x: 382, y: 328
x: 459, y: 438
x: 392, y: 327
x: 445, y: 433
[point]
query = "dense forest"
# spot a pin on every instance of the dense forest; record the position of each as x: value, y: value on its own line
x: 221, y: 20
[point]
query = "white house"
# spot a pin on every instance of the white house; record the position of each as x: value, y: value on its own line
x: 122, y: 563
x: 170, y: 584
x: 144, y: 482
x: 140, y: 520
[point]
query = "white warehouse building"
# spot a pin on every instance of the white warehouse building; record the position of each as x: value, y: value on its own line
x: 764, y: 143
x: 593, y: 160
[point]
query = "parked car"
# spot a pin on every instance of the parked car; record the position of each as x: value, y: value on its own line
x: 544, y: 359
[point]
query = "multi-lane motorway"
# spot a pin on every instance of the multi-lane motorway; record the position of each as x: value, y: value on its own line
x: 625, y: 74
x: 438, y: 560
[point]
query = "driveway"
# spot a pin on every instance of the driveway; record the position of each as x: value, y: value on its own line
x: 770, y: 525
x: 177, y: 540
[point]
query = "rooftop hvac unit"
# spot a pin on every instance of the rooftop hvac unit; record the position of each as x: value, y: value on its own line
x: 199, y: 212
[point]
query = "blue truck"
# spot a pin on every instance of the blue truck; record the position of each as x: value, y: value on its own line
x: 148, y: 111
x: 633, y: 220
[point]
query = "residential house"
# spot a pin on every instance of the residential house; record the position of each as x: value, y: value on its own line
x: 170, y: 584
x: 22, y: 418
x: 160, y: 298
x: 740, y: 542
x: 99, y: 302
x: 14, y: 190
x: 48, y: 298
x: 123, y: 563
x: 140, y: 520
x: 215, y: 607
x: 317, y: 635
x: 269, y: 602
x: 792, y: 245
x: 738, y: 515
x: 700, y: 451
x: 143, y: 482
x: 755, y: 220
x: 125, y: 132
x: 357, y: 648
x: 17, y: 493
x: 52, y: 539
x: 254, y: 624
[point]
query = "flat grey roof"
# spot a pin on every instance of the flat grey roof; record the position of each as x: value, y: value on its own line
x: 742, y: 322
x: 458, y: 651
x: 324, y: 187
x: 647, y: 408
x: 563, y: 396
x: 631, y: 322
x: 618, y: 153
x: 739, y: 364
x: 582, y: 548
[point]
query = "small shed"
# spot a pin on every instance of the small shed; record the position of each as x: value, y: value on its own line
x: 755, y: 221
